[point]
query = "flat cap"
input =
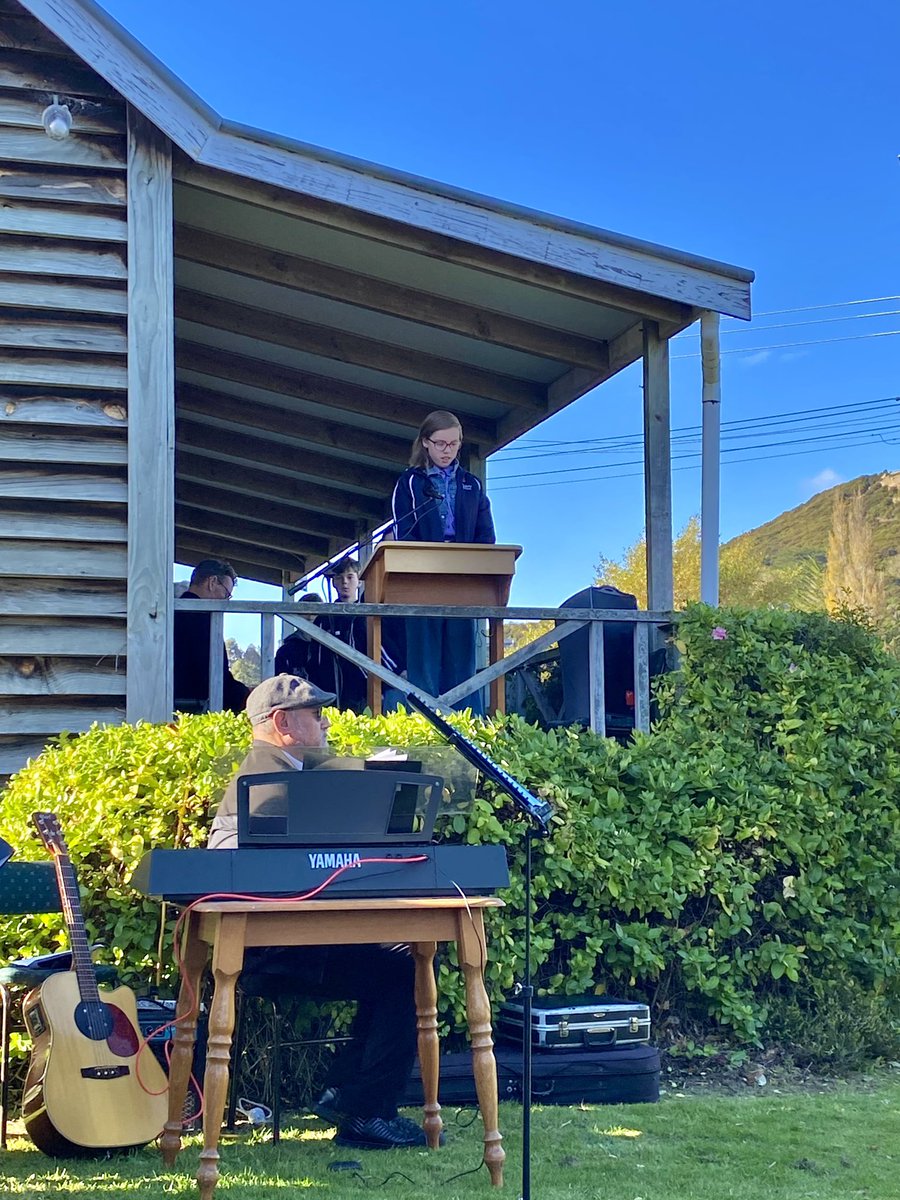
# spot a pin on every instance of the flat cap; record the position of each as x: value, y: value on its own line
x: 284, y: 691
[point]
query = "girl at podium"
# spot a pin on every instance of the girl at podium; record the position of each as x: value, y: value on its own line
x: 435, y: 500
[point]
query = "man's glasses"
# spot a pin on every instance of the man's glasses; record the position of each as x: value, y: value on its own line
x: 227, y: 586
x: 442, y: 446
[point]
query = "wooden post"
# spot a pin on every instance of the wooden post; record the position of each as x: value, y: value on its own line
x: 709, y: 492
x: 657, y: 470
x: 597, y: 677
x: 488, y: 641
x: 151, y: 423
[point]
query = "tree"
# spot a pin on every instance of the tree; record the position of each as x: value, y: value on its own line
x: 744, y: 577
x: 851, y: 577
x: 246, y: 665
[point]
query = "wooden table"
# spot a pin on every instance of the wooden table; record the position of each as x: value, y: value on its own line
x: 227, y: 928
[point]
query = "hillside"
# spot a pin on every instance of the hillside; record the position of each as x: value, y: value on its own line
x: 803, y: 532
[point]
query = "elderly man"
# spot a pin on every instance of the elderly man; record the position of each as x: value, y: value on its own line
x: 212, y: 579
x: 368, y: 1077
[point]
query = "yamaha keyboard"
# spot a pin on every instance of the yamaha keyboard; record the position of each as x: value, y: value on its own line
x: 182, y: 876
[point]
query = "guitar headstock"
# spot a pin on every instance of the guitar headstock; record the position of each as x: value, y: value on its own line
x: 50, y: 833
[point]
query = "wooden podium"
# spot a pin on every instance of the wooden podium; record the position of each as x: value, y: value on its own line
x: 448, y: 574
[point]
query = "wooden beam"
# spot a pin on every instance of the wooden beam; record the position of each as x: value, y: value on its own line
x: 657, y: 469
x: 38, y: 368
x: 55, y: 409
x: 246, y: 570
x: 22, y: 332
x: 70, y: 522
x: 324, y: 341
x: 710, y: 457
x: 57, y: 221
x: 255, y: 416
x: 24, y: 182
x: 253, y: 481
x: 378, y: 295
x: 30, y: 444
x: 583, y: 265
x: 44, y: 73
x: 77, y: 150
x: 235, y: 551
x: 192, y: 520
x: 151, y: 427
x: 285, y: 516
x: 264, y: 375
x: 85, y: 638
x: 104, y: 487
x: 263, y: 452
x: 47, y: 559
x: 42, y: 676
x: 76, y: 716
x: 59, y: 257
x: 22, y: 109
x: 82, y: 296
x: 63, y: 598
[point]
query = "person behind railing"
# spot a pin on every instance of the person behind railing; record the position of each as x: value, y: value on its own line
x: 300, y: 654
x: 367, y: 1077
x: 292, y: 656
x: 212, y: 579
x: 435, y: 500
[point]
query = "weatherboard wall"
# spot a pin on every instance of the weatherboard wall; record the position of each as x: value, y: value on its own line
x: 63, y: 395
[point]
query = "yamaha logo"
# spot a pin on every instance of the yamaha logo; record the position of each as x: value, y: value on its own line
x: 322, y: 860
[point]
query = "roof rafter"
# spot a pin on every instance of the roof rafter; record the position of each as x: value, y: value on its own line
x: 383, y: 296
x: 329, y: 342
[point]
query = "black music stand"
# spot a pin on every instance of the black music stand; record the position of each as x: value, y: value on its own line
x: 540, y: 812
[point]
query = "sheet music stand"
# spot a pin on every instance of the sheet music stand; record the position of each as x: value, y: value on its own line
x: 446, y: 573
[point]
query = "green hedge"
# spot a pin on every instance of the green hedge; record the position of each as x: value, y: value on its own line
x: 742, y: 856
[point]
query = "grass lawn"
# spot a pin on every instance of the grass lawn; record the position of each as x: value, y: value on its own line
x: 833, y: 1146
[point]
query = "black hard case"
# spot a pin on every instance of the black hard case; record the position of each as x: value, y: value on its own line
x: 621, y: 1075
x: 567, y: 1022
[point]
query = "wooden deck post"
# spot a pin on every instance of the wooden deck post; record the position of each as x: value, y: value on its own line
x: 151, y: 423
x: 657, y: 470
x: 709, y: 495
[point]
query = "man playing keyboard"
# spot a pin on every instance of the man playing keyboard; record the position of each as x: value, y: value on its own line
x: 370, y: 1072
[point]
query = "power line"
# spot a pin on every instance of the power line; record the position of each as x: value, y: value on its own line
x: 623, y: 442
x: 856, y: 337
x: 637, y: 474
x: 783, y: 312
x: 569, y: 471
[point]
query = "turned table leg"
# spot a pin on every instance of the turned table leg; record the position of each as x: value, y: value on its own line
x: 426, y: 1024
x: 186, y: 1012
x: 472, y: 959
x: 228, y: 957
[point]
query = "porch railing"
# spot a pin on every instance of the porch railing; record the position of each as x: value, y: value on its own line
x: 647, y: 635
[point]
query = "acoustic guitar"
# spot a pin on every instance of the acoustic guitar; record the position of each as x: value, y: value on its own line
x: 87, y: 1090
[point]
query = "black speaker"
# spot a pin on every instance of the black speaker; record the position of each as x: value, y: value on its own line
x: 153, y: 1018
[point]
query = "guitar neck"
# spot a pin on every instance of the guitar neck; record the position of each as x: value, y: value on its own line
x: 78, y: 943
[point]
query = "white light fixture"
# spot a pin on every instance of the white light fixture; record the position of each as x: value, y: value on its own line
x: 57, y: 120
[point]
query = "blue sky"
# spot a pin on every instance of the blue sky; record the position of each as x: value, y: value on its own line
x: 764, y: 135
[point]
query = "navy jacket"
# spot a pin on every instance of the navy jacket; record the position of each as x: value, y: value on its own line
x: 417, y: 515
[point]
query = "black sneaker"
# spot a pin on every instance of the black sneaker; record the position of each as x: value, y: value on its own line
x: 328, y: 1106
x: 406, y: 1125
x: 375, y: 1133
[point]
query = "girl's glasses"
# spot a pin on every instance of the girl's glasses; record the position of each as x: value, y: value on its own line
x: 442, y: 446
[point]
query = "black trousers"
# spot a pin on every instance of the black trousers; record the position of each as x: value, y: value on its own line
x: 373, y: 1068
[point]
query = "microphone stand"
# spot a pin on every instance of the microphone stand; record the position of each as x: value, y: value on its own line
x: 431, y: 492
x: 539, y: 812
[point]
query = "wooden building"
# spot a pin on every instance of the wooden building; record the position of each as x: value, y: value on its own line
x: 218, y: 341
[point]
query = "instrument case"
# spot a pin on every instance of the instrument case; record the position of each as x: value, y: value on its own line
x: 620, y: 1075
x: 567, y: 1022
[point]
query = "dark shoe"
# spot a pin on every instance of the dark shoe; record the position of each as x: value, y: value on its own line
x: 375, y: 1133
x: 328, y: 1106
x: 405, y: 1125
